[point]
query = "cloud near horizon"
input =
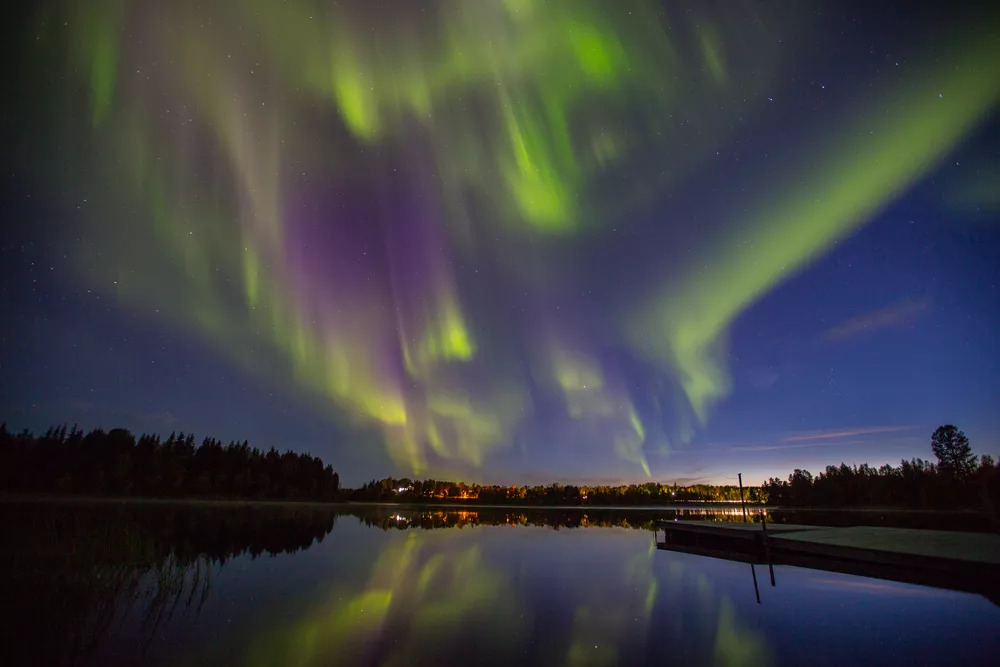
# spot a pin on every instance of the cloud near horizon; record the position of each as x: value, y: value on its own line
x: 845, y: 433
x: 809, y: 439
x: 899, y: 313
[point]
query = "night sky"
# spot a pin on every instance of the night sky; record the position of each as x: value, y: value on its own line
x: 507, y: 241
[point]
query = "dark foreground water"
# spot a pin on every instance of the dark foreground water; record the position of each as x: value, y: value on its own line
x: 180, y: 584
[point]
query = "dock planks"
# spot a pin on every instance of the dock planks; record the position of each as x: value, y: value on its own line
x: 946, y: 548
x: 961, y: 561
x: 735, y: 530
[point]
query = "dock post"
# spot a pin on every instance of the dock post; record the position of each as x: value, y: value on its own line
x: 767, y: 546
x: 756, y: 591
x: 743, y: 502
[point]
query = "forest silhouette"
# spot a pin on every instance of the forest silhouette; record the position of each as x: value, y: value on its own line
x: 116, y: 464
x: 959, y: 479
x: 67, y: 461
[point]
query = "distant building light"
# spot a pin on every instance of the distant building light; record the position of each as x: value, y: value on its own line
x: 402, y: 489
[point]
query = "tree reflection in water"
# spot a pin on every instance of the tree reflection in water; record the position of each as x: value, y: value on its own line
x: 437, y: 586
x: 72, y: 573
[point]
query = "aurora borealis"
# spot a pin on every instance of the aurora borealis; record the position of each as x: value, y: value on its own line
x: 579, y: 239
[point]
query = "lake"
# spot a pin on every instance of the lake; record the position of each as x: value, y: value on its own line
x: 230, y: 584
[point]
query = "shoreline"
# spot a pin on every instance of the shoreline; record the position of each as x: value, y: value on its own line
x: 445, y: 504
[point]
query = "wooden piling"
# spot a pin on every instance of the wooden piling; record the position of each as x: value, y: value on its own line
x: 742, y: 502
x: 767, y: 546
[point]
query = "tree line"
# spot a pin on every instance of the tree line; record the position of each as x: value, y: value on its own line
x: 116, y: 463
x: 958, y: 479
x: 406, y: 490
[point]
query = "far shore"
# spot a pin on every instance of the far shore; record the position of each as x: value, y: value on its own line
x: 463, y: 505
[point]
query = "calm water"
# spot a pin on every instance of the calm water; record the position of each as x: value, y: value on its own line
x: 185, y: 585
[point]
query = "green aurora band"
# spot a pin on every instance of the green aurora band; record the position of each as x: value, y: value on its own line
x: 250, y: 142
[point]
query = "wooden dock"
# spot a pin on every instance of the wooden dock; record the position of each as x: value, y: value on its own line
x: 943, y: 559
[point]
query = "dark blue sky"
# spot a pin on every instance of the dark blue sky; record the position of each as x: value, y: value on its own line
x: 867, y: 347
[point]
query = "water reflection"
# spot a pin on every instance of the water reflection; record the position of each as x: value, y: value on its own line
x: 389, y: 517
x: 182, y: 584
x: 73, y: 574
x: 499, y: 596
x: 424, y: 594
